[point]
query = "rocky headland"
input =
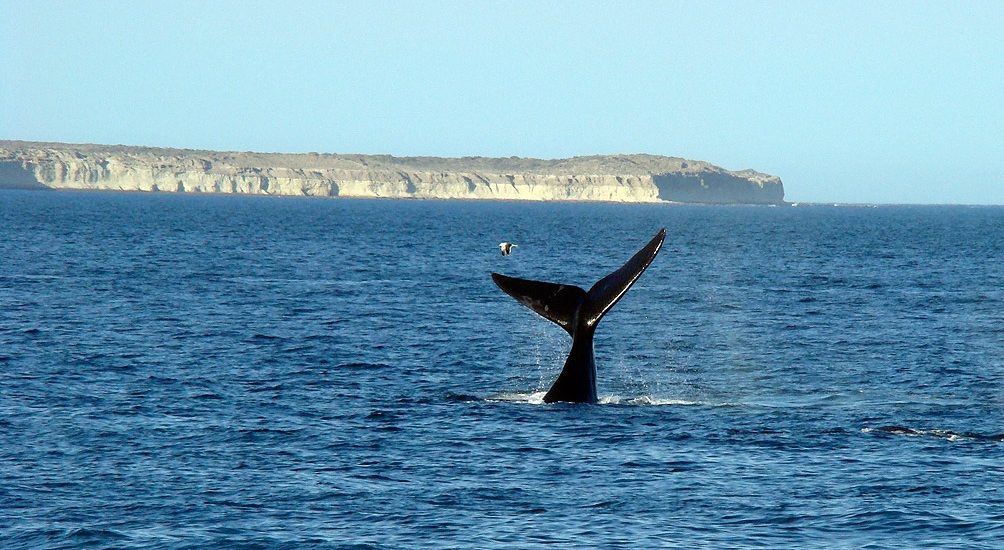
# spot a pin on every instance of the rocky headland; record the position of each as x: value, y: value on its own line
x: 619, y: 178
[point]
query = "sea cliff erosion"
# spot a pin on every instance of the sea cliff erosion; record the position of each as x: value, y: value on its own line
x: 620, y: 178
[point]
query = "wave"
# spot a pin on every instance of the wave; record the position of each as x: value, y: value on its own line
x: 935, y: 432
x: 259, y: 338
x: 362, y: 366
x: 647, y: 400
x: 537, y: 398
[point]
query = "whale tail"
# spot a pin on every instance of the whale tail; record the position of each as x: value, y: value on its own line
x: 578, y: 312
x: 561, y: 303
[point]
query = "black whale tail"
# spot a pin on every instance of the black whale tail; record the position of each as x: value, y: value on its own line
x: 560, y: 303
x: 578, y: 312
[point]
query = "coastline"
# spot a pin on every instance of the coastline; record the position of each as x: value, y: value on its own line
x: 609, y: 178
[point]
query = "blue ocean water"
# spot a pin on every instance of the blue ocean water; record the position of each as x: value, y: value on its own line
x: 182, y: 371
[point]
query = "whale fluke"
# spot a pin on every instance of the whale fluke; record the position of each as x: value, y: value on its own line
x: 578, y: 312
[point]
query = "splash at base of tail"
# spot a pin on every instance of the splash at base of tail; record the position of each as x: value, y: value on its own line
x: 578, y: 312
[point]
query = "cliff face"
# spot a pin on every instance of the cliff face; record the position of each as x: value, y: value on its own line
x: 622, y: 178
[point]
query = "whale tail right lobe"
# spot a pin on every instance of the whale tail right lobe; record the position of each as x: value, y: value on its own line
x: 610, y: 289
x: 560, y: 303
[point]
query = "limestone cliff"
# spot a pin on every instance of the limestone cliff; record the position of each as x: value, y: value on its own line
x: 622, y: 178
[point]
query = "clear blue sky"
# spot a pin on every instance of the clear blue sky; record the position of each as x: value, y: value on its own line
x: 846, y: 101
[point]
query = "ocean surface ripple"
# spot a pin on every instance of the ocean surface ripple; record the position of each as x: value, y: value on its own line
x: 216, y: 371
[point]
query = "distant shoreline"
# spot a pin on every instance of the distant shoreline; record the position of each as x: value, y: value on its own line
x: 635, y: 178
x: 786, y: 204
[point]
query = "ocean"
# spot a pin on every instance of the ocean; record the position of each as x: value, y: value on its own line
x: 185, y: 371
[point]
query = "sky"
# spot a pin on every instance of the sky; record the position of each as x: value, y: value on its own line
x: 859, y: 102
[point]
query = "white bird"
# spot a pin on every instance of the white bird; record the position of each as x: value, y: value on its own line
x: 506, y: 248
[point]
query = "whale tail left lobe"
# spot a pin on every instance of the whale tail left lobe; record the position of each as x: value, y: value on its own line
x: 554, y: 302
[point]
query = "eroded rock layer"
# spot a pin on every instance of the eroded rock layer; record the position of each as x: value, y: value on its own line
x: 621, y: 178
